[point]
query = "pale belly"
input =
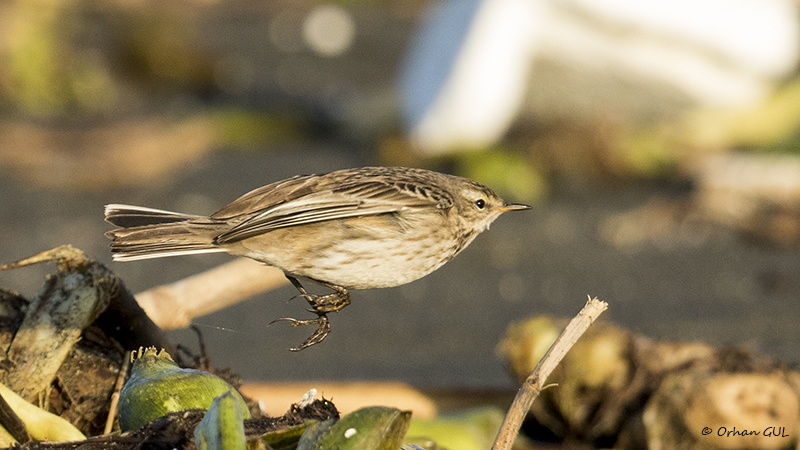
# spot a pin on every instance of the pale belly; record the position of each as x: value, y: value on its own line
x: 363, y: 253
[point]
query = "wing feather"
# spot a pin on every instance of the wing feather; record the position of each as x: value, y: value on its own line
x: 267, y: 196
x: 316, y: 198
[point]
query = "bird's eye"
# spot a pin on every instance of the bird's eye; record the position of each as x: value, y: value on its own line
x: 480, y: 203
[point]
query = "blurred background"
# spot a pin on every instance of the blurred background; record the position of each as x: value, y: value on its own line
x: 658, y: 142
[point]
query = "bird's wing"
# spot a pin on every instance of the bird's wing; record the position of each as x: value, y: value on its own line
x: 318, y: 202
x: 268, y: 196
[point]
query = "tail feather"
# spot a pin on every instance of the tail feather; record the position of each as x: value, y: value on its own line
x: 134, y: 216
x: 153, y: 233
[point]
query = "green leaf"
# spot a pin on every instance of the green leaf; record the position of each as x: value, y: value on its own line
x: 222, y: 427
x: 372, y: 428
x: 313, y: 433
x: 468, y: 430
x: 287, y: 438
x: 157, y: 386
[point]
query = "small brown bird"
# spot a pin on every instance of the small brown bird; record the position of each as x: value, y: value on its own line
x: 364, y: 228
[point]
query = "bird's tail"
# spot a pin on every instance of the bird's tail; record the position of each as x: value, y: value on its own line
x: 153, y: 233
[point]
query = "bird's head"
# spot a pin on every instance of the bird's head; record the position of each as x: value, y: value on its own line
x: 479, y: 206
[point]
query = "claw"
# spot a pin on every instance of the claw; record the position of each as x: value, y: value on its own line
x: 318, y: 335
x: 320, y: 305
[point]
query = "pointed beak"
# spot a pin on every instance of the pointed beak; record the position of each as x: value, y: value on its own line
x: 513, y: 207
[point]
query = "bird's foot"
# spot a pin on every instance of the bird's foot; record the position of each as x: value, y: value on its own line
x: 333, y: 302
x: 323, y: 304
x: 324, y: 327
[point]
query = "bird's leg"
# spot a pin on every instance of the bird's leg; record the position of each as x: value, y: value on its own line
x: 333, y: 302
x: 321, y: 305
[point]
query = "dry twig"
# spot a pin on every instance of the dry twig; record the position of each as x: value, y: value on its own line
x: 174, y: 305
x: 112, y: 409
x: 534, y: 384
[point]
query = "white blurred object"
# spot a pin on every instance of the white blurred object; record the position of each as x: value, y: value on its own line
x: 308, y: 398
x: 475, y: 65
x: 329, y: 30
x: 736, y: 186
x: 467, y: 74
x: 758, y: 194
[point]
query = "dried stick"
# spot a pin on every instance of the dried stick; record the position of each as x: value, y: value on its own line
x: 534, y: 384
x: 112, y: 409
x: 175, y: 305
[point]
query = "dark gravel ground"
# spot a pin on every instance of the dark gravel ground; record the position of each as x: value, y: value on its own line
x: 680, y: 282
x: 689, y: 283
